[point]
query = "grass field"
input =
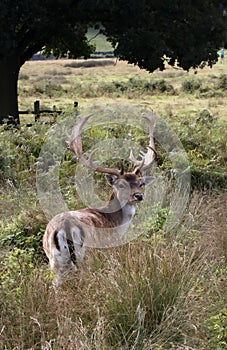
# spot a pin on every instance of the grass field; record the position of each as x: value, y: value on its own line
x: 164, y: 290
x: 56, y: 83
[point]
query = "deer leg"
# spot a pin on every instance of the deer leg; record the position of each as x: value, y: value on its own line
x: 78, y: 243
x: 68, y: 253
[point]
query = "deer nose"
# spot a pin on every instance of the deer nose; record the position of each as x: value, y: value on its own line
x: 138, y: 196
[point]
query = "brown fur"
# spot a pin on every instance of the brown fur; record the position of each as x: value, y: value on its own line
x: 68, y: 233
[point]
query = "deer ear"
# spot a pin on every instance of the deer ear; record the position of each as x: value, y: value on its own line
x: 110, y: 179
x: 146, y: 180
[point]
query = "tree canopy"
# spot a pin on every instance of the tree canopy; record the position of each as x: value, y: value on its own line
x: 189, y: 32
x: 29, y: 26
x: 142, y: 32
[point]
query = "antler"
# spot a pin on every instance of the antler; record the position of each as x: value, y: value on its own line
x: 75, y: 145
x: 151, y: 154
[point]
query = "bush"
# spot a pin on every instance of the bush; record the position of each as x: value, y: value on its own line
x: 217, y: 330
x: 162, y: 86
x: 205, y: 143
x: 50, y: 89
x: 222, y: 82
x: 190, y: 85
x: 24, y: 232
x: 90, y: 63
x: 19, y: 149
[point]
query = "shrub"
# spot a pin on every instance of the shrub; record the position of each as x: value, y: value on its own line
x: 50, y: 89
x: 222, y: 82
x: 190, y: 85
x: 217, y: 330
x: 162, y: 86
x: 90, y: 63
x: 205, y: 143
x: 24, y: 232
x: 16, y: 262
x: 19, y: 149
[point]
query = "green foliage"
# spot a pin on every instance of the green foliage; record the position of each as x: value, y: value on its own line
x: 24, y: 233
x: 50, y: 89
x: 137, y: 31
x: 19, y: 150
x: 160, y: 26
x: 190, y: 85
x: 18, y: 234
x: 162, y: 86
x: 15, y: 264
x: 36, y: 16
x: 131, y: 87
x: 155, y: 222
x: 217, y: 330
x: 57, y: 27
x: 205, y: 143
x: 69, y: 35
x: 202, y: 137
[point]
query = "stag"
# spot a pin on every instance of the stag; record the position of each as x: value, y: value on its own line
x: 68, y: 233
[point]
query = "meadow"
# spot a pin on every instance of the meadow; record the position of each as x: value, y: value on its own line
x: 163, y: 290
x: 61, y: 82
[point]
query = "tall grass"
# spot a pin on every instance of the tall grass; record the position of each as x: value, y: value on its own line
x: 163, y: 291
x: 143, y: 295
x: 125, y: 298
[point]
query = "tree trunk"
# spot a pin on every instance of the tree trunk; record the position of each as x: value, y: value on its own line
x: 9, y: 71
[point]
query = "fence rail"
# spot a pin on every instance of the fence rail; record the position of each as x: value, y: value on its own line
x: 38, y: 112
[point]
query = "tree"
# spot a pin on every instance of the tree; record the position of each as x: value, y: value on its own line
x: 29, y: 26
x: 142, y: 31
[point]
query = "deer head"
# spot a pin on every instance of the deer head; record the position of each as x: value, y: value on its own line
x: 126, y: 185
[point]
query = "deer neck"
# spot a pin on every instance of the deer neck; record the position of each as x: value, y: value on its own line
x: 118, y: 215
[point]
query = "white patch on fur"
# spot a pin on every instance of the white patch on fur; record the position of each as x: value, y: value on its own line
x: 128, y: 213
x: 78, y: 243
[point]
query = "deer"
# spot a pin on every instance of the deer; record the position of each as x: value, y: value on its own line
x: 69, y: 233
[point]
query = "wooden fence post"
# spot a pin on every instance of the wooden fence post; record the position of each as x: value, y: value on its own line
x: 36, y: 110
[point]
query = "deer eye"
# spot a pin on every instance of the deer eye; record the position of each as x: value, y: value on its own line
x: 121, y: 185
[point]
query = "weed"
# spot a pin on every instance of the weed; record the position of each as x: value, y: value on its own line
x: 217, y: 328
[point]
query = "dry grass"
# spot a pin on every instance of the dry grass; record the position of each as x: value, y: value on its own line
x: 215, y: 233
x: 138, y: 296
x: 42, y: 73
x: 153, y: 294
